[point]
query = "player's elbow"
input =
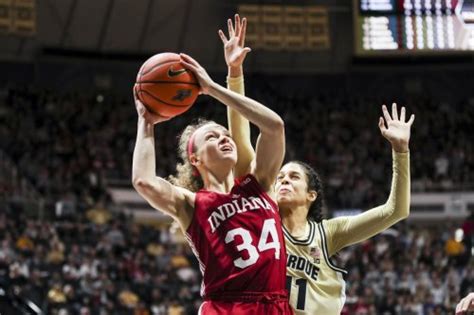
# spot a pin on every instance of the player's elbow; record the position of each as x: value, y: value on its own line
x: 140, y: 183
x: 278, y: 126
x: 403, y: 212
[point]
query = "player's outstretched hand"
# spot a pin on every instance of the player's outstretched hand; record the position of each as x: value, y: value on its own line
x: 234, y: 46
x: 203, y: 78
x: 395, y: 128
x: 465, y: 305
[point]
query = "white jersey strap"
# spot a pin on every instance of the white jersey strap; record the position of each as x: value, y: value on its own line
x: 324, y: 247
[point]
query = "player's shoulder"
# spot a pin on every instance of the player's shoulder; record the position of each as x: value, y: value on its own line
x: 330, y: 226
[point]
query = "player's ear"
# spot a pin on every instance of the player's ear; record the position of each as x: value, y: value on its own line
x: 194, y: 160
x: 312, y: 195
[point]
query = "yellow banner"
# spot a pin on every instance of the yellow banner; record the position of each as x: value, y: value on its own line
x: 24, y: 17
x: 254, y: 25
x: 318, y: 28
x: 294, y: 28
x: 5, y: 16
x: 279, y: 27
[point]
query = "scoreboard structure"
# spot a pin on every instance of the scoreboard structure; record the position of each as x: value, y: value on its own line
x: 413, y: 27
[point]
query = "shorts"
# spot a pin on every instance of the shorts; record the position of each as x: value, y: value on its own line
x: 245, y: 304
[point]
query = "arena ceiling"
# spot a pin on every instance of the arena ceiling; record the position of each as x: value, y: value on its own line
x: 122, y: 26
x: 143, y: 27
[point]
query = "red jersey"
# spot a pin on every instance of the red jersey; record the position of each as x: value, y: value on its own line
x: 238, y: 241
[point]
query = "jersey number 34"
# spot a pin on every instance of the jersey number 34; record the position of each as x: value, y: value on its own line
x: 268, y: 229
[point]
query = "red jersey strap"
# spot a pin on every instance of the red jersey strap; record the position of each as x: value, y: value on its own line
x: 263, y: 297
x: 243, y: 178
x: 250, y: 179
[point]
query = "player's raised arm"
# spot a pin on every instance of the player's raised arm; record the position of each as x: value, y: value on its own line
x: 344, y: 231
x: 270, y: 149
x: 239, y: 127
x: 160, y: 194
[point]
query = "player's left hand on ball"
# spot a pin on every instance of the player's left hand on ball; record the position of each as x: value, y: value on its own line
x: 395, y: 128
x: 147, y: 115
x: 203, y: 78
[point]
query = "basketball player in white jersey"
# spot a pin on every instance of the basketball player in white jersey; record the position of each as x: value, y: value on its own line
x: 315, y: 284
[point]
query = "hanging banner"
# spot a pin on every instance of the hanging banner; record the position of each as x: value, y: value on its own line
x: 279, y: 27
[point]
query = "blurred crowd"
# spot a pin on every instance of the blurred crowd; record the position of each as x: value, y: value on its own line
x: 78, y: 265
x: 69, y: 145
x: 409, y: 271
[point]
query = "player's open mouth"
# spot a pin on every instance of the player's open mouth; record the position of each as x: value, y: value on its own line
x: 226, y: 148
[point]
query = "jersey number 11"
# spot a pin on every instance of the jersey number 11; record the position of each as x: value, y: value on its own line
x: 301, y: 283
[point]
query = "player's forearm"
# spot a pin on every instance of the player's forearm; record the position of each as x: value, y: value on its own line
x: 143, y: 166
x: 239, y: 128
x: 345, y: 231
x: 264, y: 118
x: 398, y: 201
x: 397, y: 206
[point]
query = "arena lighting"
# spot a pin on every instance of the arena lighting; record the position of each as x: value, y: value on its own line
x: 458, y: 235
x: 468, y: 17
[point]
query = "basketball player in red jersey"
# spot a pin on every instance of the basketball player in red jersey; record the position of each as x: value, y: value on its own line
x: 232, y: 225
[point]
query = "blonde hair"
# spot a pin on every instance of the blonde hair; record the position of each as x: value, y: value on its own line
x: 187, y: 176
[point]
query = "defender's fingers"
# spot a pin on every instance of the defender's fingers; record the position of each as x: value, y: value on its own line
x: 382, y: 125
x: 230, y: 27
x: 402, y: 114
x: 222, y: 36
x: 237, y: 25
x: 394, y: 111
x: 386, y: 114
x: 243, y: 32
x: 412, y: 119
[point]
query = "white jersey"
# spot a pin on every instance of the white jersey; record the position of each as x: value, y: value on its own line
x: 315, y: 284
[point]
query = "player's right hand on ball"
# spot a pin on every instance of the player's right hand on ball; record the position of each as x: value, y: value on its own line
x: 203, y: 78
x: 147, y: 115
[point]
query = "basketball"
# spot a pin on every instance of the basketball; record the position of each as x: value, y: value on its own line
x: 165, y: 87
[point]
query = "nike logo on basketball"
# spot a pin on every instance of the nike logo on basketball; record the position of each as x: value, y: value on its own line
x: 172, y: 73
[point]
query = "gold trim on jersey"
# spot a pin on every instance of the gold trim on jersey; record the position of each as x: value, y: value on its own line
x: 324, y: 244
x: 312, y: 232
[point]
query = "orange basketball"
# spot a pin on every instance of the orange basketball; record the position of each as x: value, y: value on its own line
x: 165, y: 87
